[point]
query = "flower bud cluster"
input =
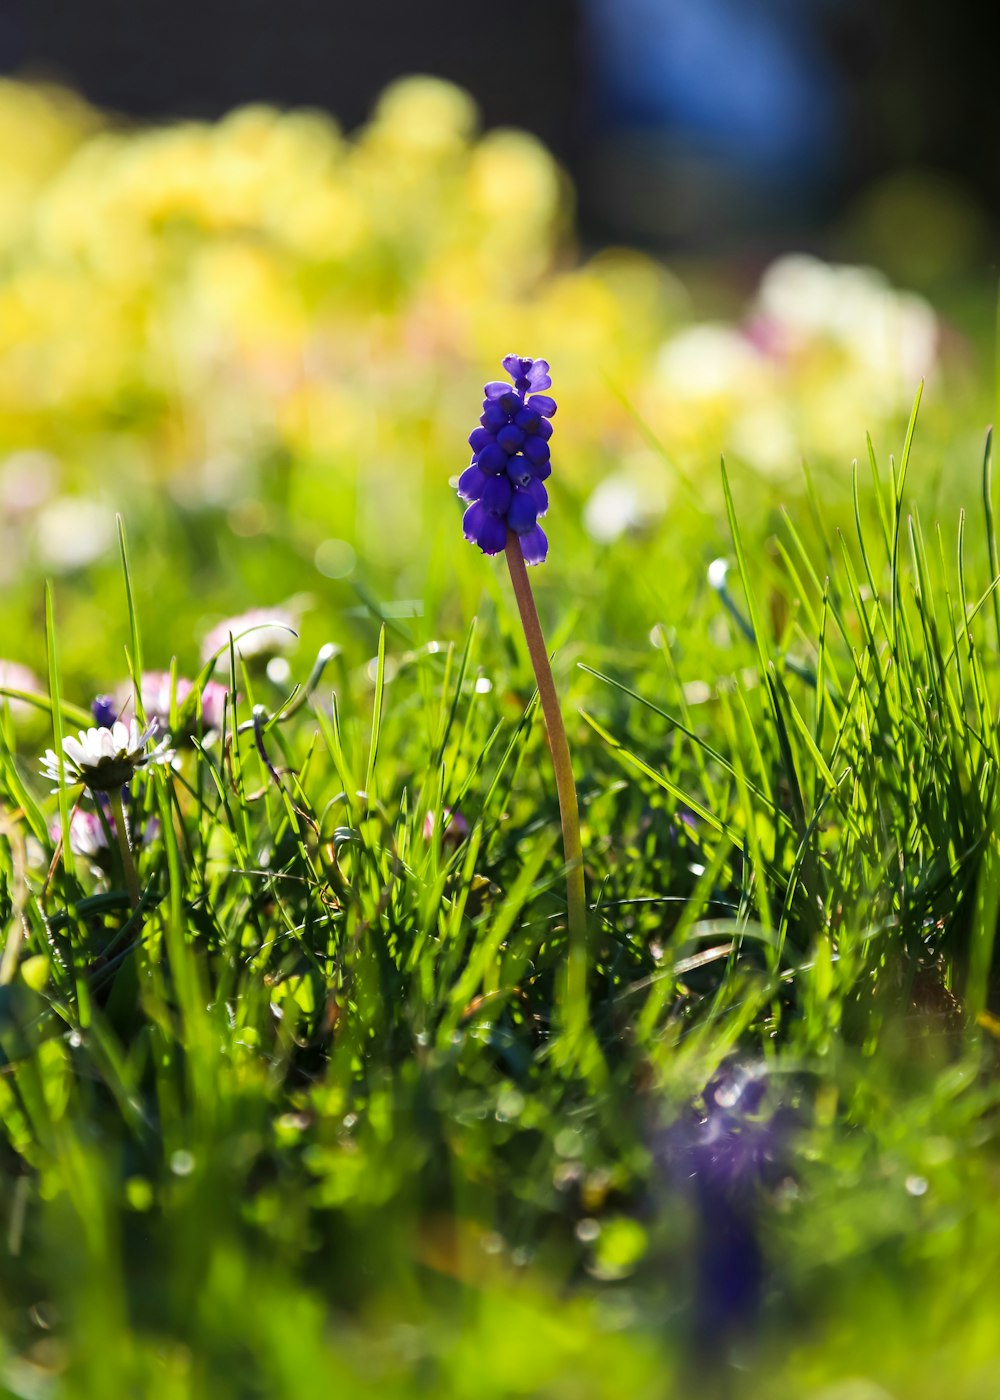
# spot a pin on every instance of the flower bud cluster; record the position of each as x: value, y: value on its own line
x: 504, y: 483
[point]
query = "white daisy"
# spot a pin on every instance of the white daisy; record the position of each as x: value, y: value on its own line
x: 105, y: 759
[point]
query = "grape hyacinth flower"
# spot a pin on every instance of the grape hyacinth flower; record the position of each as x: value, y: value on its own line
x: 505, y: 481
x: 105, y: 710
x: 726, y: 1153
x: 105, y: 761
x: 504, y: 484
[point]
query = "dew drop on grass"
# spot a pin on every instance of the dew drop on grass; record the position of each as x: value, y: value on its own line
x: 181, y: 1162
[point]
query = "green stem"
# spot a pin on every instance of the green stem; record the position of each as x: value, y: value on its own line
x: 128, y: 864
x: 569, y: 811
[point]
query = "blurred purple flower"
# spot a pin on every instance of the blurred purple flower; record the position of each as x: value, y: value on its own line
x: 510, y: 461
x: 106, y: 710
x: 723, y: 1154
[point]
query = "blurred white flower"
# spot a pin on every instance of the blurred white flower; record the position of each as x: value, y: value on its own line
x: 892, y: 336
x: 613, y: 508
x: 27, y: 480
x: 718, y: 572
x: 706, y: 362
x: 104, y: 760
x: 73, y: 531
x: 763, y: 437
x: 799, y: 293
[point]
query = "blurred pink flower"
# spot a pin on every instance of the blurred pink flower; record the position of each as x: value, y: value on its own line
x: 260, y: 633
x: 454, y: 827
x: 14, y: 676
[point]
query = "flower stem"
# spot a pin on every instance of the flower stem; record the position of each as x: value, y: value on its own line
x: 569, y: 811
x: 128, y: 864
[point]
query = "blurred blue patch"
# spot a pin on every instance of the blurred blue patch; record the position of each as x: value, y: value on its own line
x: 735, y: 81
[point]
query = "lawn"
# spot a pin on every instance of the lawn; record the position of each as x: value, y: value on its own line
x: 297, y: 1096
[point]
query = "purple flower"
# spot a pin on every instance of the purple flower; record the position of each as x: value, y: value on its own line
x: 725, y: 1153
x: 535, y: 546
x: 510, y: 460
x: 527, y: 374
x: 105, y: 710
x: 485, y: 529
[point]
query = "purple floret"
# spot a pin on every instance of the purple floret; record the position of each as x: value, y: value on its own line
x: 539, y: 495
x: 510, y: 461
x: 496, y: 495
x: 510, y: 438
x: 480, y: 438
x: 534, y: 546
x: 471, y: 483
x: 523, y: 512
x: 519, y: 471
x: 536, y: 449
x: 105, y: 711
x: 528, y: 375
x: 492, y: 459
x: 486, y: 530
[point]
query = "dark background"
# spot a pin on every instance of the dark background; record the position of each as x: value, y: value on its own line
x: 684, y: 122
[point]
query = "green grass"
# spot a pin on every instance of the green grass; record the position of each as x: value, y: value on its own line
x: 300, y: 1124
